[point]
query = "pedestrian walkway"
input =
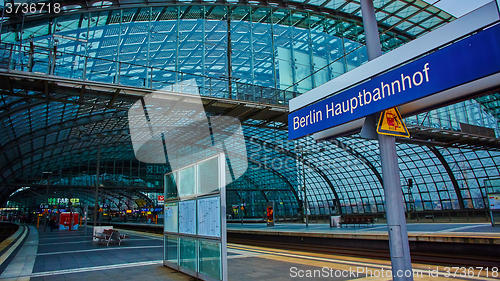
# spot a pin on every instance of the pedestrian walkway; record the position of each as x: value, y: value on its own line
x: 72, y: 255
x: 20, y: 267
x: 73, y: 252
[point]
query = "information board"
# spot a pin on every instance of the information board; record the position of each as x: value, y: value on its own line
x: 209, y: 216
x: 198, y: 212
x: 494, y: 200
x: 171, y: 217
x: 187, y: 217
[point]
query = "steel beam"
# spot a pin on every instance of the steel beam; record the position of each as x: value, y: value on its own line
x: 453, y: 180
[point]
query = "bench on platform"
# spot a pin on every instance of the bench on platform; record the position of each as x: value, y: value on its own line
x: 359, y: 220
x: 104, y: 236
x: 117, y: 237
x: 109, y: 234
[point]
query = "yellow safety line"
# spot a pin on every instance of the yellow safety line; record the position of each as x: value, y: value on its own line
x: 318, y: 265
x: 5, y: 243
x: 336, y: 261
x: 343, y: 264
x: 372, y: 278
x: 6, y: 255
x: 423, y: 278
x: 312, y: 260
x: 318, y: 255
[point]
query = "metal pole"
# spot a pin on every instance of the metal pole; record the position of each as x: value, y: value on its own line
x: 97, y: 184
x: 241, y: 209
x: 229, y: 54
x: 47, y: 216
x: 394, y: 205
x: 1, y: 23
x: 86, y: 214
x: 371, y: 29
x: 306, y: 207
x: 70, y: 214
x: 21, y: 44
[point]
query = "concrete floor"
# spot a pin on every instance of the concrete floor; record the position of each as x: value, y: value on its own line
x: 63, y: 255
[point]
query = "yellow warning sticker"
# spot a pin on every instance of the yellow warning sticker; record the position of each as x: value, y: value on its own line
x: 391, y: 123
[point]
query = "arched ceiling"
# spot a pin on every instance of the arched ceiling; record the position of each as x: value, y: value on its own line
x: 406, y: 18
x: 54, y: 123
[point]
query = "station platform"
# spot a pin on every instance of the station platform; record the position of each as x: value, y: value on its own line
x: 65, y: 255
x: 451, y: 239
x: 471, y: 233
x: 435, y: 232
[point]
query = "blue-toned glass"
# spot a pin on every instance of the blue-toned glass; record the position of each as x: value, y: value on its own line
x: 171, y: 248
x: 187, y: 182
x: 171, y: 215
x: 208, y: 176
x: 187, y: 253
x: 170, y: 186
x: 210, y: 259
x: 187, y: 217
x: 209, y: 216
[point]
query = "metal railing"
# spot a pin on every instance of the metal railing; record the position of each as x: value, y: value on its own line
x: 50, y: 61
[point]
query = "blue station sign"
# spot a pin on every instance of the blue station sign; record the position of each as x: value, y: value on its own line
x: 467, y: 60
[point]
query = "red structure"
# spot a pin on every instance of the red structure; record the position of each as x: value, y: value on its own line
x: 65, y: 222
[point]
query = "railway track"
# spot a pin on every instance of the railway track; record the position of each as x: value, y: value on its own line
x: 416, y: 257
x: 7, y: 229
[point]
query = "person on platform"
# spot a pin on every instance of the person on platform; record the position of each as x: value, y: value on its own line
x: 52, y: 223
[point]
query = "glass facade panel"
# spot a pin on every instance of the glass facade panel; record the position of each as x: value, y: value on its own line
x: 171, y: 214
x: 170, y: 186
x: 155, y: 47
x: 171, y: 248
x: 208, y: 176
x: 187, y: 217
x: 210, y: 258
x: 187, y: 182
x: 209, y: 219
x: 187, y: 253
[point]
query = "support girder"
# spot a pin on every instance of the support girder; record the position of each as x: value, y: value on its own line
x: 81, y: 121
x: 110, y: 193
x: 358, y: 155
x: 453, y: 180
x: 274, y: 4
x: 304, y: 162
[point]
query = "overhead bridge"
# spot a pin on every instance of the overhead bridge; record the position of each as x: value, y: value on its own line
x: 43, y: 87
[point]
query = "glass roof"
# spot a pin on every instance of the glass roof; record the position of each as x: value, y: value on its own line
x: 408, y: 18
x: 343, y: 173
x: 61, y: 131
